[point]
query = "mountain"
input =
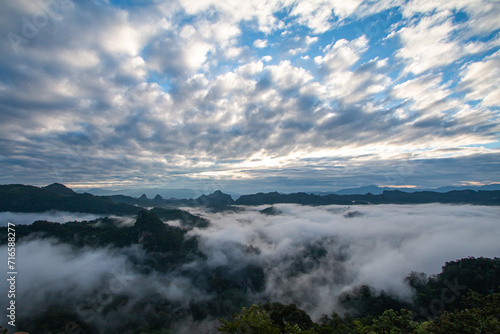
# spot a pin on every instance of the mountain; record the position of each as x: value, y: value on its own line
x: 59, y: 189
x: 151, y: 192
x: 122, y: 199
x: 101, y: 192
x: 376, y: 190
x: 185, y: 218
x: 23, y: 198
x: 373, y: 189
x: 489, y: 187
x: 387, y: 197
x: 216, y: 198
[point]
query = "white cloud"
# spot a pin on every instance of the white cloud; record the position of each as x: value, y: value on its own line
x: 483, y: 17
x: 343, y: 54
x: 293, y: 52
x: 251, y: 69
x: 345, y: 82
x: 428, y: 44
x: 286, y: 76
x: 483, y: 14
x: 134, y: 67
x: 124, y: 34
x: 309, y: 255
x: 260, y: 43
x: 267, y: 58
x: 79, y: 58
x: 414, y: 7
x: 358, y: 250
x: 425, y: 93
x: 481, y: 81
x: 436, y: 40
x: 261, y: 10
x: 311, y: 40
x: 318, y: 14
x: 195, y: 54
x: 234, y: 52
x: 223, y: 33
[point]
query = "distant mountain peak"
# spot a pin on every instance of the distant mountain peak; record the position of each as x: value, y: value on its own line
x: 143, y: 197
x: 217, y: 194
x: 59, y: 188
x: 217, y: 197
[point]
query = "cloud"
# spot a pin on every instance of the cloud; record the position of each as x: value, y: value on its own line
x: 425, y: 93
x: 437, y: 40
x: 480, y: 80
x: 53, y: 277
x: 318, y: 14
x: 56, y: 217
x: 428, y: 44
x: 311, y: 40
x: 481, y: 13
x: 286, y: 77
x: 261, y: 11
x: 342, y: 54
x: 159, y: 92
x: 310, y: 255
x: 260, y: 43
x: 358, y: 251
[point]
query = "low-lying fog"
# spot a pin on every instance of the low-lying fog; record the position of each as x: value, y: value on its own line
x: 375, y: 245
x: 26, y: 218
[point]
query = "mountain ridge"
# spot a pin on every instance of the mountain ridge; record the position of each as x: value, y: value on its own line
x: 376, y: 190
x: 26, y: 198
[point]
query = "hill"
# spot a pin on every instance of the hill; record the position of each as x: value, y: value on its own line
x: 23, y: 198
x: 217, y: 199
x: 387, y: 197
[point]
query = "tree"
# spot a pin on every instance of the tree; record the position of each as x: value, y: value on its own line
x: 269, y: 318
x: 481, y: 315
x: 249, y: 321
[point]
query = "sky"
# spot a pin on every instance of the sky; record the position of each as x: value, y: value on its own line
x: 247, y: 96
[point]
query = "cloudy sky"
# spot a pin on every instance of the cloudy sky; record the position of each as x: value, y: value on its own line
x: 254, y: 95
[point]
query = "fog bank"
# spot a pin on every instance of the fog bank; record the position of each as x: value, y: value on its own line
x: 375, y: 245
x: 26, y: 218
x: 309, y: 255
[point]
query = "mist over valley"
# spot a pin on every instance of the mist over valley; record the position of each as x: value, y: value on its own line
x: 195, y: 266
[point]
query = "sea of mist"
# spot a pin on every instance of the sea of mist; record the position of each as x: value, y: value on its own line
x: 310, y: 256
x: 26, y: 218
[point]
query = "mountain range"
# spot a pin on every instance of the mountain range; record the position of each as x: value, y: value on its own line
x: 185, y: 193
x: 376, y: 190
x: 25, y: 198
x: 387, y: 197
x: 174, y: 193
